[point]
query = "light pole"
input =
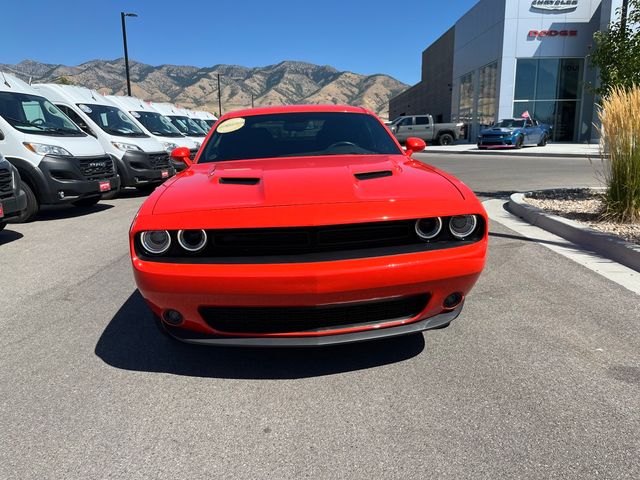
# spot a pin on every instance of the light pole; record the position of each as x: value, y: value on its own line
x: 219, y: 97
x: 126, y: 53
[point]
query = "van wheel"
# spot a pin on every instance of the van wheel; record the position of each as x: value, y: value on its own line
x: 445, y: 139
x: 87, y: 202
x: 32, y: 205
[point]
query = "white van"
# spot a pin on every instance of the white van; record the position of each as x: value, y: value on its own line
x: 57, y: 161
x: 181, y: 120
x: 141, y: 160
x: 209, y: 118
x: 156, y: 125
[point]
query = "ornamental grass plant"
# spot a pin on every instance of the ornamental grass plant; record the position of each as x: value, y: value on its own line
x: 620, y: 118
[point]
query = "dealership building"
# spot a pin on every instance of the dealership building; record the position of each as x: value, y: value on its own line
x: 507, y: 57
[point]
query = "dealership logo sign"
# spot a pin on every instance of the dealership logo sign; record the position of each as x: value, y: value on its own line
x: 554, y: 5
x: 552, y: 33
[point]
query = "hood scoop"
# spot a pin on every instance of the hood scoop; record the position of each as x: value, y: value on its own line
x: 372, y: 175
x: 240, y: 180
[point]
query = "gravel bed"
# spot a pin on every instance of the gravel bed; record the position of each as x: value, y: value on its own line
x: 584, y: 206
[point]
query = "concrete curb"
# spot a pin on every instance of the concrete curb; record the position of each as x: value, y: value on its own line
x: 610, y: 246
x: 514, y: 153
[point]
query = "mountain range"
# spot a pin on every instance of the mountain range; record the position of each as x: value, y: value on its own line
x: 285, y: 83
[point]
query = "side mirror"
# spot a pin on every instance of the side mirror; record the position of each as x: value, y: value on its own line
x: 181, y: 154
x: 414, y: 144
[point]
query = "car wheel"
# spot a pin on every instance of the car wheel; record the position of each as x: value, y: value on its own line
x: 87, y: 202
x: 445, y: 139
x: 543, y: 141
x: 147, y: 189
x: 519, y: 142
x: 32, y: 205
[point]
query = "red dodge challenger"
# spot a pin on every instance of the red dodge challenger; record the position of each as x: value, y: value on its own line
x: 306, y: 225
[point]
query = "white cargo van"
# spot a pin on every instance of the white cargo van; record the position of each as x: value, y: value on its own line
x: 57, y: 161
x: 193, y: 115
x: 141, y: 160
x: 156, y: 125
x: 209, y: 118
x: 181, y: 120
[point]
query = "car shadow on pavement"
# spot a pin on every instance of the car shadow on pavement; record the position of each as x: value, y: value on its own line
x: 8, y: 236
x: 59, y: 212
x: 131, y: 341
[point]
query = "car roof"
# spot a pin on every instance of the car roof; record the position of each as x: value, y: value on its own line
x: 295, y: 109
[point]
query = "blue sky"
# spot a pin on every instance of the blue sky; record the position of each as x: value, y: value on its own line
x: 364, y: 36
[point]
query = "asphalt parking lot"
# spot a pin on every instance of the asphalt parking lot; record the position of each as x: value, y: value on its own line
x: 538, y: 378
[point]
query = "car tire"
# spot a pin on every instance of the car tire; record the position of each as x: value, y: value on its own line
x: 519, y: 142
x: 87, y: 201
x: 32, y: 205
x: 543, y: 141
x: 445, y: 139
x: 147, y: 189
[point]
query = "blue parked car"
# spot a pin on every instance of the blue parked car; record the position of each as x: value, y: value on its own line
x: 514, y: 133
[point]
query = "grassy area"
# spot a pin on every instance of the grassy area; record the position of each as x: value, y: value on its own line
x: 620, y: 117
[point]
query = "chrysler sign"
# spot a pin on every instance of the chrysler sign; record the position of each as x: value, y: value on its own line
x: 554, y: 5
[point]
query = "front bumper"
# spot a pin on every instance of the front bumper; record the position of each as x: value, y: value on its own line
x: 67, y: 179
x: 496, y: 142
x: 13, y: 206
x: 188, y: 287
x: 141, y: 168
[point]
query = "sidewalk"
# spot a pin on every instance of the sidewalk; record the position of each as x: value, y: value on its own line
x: 580, y: 150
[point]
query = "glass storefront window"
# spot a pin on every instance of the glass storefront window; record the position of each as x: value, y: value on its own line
x: 550, y: 89
x: 487, y: 95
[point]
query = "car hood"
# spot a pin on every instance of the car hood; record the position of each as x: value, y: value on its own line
x: 498, y: 130
x: 303, y: 181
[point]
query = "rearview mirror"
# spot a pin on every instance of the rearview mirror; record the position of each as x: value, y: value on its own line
x: 181, y: 154
x: 414, y: 144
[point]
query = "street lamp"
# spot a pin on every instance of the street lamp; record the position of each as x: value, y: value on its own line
x: 126, y: 53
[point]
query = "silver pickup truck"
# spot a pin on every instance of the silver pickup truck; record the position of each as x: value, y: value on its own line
x: 423, y: 126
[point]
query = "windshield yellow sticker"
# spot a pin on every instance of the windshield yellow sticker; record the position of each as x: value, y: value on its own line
x: 230, y: 125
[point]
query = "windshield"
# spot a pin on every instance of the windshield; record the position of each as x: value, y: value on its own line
x: 211, y: 123
x: 202, y: 124
x: 298, y: 134
x: 510, y: 123
x: 34, y: 114
x: 187, y: 126
x: 112, y: 120
x: 157, y: 124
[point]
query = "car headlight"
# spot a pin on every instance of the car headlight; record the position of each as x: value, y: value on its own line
x: 462, y: 226
x: 155, y: 242
x: 428, y: 228
x: 43, y: 149
x: 169, y: 147
x: 192, y: 240
x: 126, y: 147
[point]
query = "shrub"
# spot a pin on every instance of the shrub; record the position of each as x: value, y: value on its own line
x: 620, y: 117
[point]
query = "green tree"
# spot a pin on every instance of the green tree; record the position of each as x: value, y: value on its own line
x: 616, y: 51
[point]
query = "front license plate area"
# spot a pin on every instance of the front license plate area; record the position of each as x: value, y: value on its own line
x: 165, y: 173
x: 105, y: 186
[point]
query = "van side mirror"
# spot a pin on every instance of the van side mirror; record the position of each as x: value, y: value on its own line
x: 414, y: 144
x: 181, y: 154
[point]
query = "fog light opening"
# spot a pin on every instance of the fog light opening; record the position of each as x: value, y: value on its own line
x: 452, y: 301
x: 60, y: 194
x: 172, y: 317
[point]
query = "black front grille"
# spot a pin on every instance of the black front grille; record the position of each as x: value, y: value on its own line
x: 96, y: 168
x: 5, y: 183
x: 306, y: 319
x: 159, y: 161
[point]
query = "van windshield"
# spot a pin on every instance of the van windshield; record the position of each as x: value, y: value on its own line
x: 187, y: 126
x: 157, y: 124
x: 112, y: 120
x: 202, y: 124
x: 36, y: 115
